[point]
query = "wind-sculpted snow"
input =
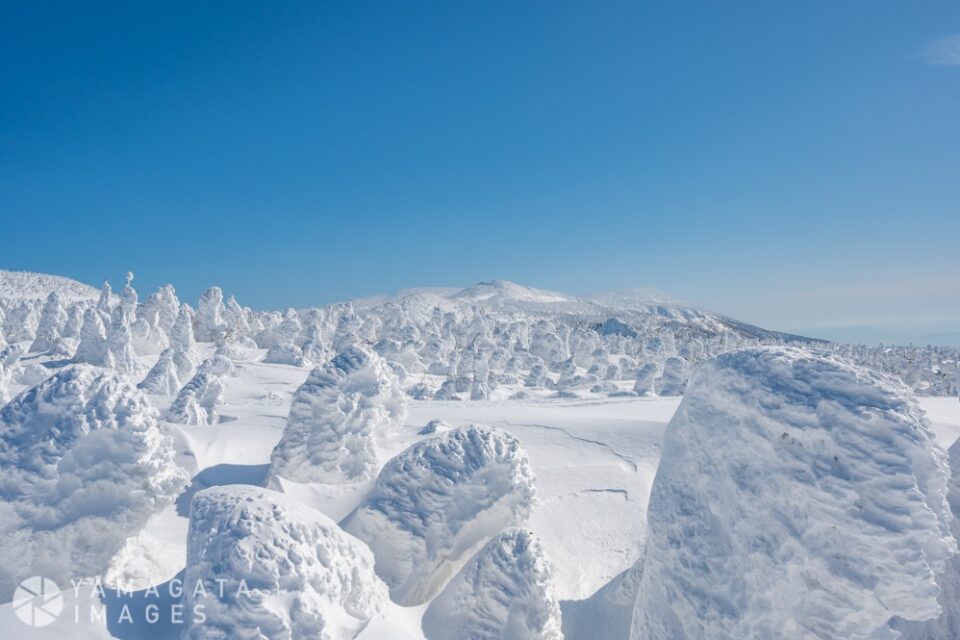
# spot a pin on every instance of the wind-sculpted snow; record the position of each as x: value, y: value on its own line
x: 504, y: 591
x: 947, y: 625
x: 199, y: 400
x: 49, y: 327
x: 83, y: 463
x: 434, y: 503
x: 335, y: 414
x: 798, y: 496
x: 284, y: 570
x: 646, y: 378
x: 162, y: 379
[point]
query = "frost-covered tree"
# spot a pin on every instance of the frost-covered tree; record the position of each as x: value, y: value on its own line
x: 162, y: 379
x: 416, y: 519
x: 199, y: 400
x: 209, y: 319
x: 93, y: 340
x: 506, y: 590
x: 798, y: 496
x: 646, y: 377
x: 181, y: 334
x: 285, y: 570
x: 74, y: 322
x: 335, y: 414
x: 121, y: 355
x: 52, y: 319
x: 168, y: 308
x: 83, y: 464
x: 104, y: 302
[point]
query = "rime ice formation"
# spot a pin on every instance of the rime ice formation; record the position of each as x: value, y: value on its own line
x: 83, y: 463
x: 798, y: 496
x: 52, y: 319
x: 329, y: 436
x: 504, y: 591
x: 434, y: 427
x: 286, y: 353
x: 181, y: 332
x: 494, y: 334
x: 209, y: 319
x: 947, y: 625
x: 121, y: 355
x: 673, y: 380
x: 434, y: 503
x: 646, y: 377
x: 198, y: 401
x: 162, y: 379
x: 9, y: 357
x: 285, y: 570
x: 93, y: 340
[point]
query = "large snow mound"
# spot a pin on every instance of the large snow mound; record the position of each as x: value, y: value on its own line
x: 273, y: 568
x: 798, y: 496
x: 436, y: 502
x: 335, y: 414
x: 504, y: 591
x: 83, y: 464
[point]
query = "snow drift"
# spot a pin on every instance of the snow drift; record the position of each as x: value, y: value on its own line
x: 434, y: 503
x: 504, y: 591
x: 329, y: 436
x: 285, y: 570
x: 83, y: 463
x: 798, y: 496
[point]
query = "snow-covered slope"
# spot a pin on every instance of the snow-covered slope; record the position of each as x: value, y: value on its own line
x: 436, y: 502
x: 26, y: 285
x: 798, y: 496
x: 274, y: 569
x: 504, y: 591
x: 83, y: 464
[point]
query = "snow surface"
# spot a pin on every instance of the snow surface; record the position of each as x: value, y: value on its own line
x: 798, y: 496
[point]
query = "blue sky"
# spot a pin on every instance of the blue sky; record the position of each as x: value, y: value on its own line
x: 794, y: 165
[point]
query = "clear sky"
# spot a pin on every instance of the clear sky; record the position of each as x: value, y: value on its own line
x: 795, y: 165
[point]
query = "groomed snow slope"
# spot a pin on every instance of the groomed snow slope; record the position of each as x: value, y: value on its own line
x: 436, y: 502
x: 798, y: 496
x: 273, y: 568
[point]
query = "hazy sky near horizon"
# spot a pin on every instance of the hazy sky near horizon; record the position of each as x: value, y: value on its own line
x: 792, y: 165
